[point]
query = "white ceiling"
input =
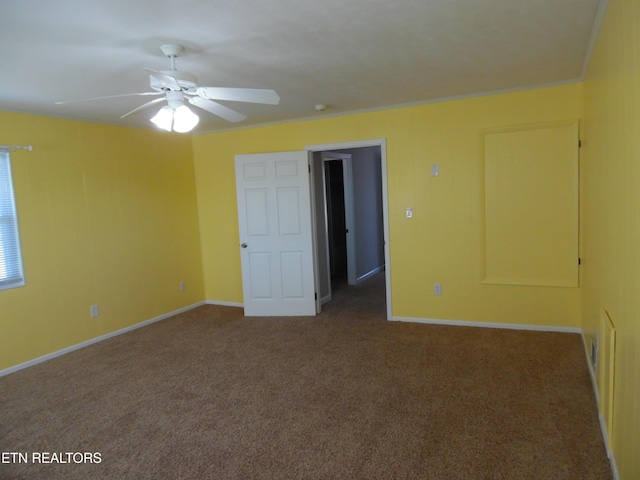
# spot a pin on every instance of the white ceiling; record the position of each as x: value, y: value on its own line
x: 349, y: 54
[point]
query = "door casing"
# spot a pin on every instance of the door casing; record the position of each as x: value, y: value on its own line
x: 380, y: 142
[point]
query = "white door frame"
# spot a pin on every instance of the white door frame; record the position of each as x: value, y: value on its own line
x: 379, y: 142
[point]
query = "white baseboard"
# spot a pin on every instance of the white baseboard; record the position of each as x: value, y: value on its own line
x: 86, y: 343
x: 362, y: 278
x: 614, y: 468
x: 509, y: 326
x: 225, y: 304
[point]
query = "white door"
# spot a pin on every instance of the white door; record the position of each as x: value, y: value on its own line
x: 274, y: 219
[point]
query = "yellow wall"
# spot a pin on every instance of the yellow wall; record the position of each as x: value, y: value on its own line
x: 443, y: 241
x: 611, y: 217
x: 107, y: 216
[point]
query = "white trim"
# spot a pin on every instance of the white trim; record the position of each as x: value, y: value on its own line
x: 78, y: 346
x: 224, y: 304
x: 373, y: 142
x: 593, y: 37
x: 376, y: 270
x: 347, y: 181
x: 603, y: 430
x: 417, y: 103
x: 350, y: 221
x: 612, y: 459
x: 508, y: 326
x: 313, y: 194
x: 382, y: 143
x: 614, y: 467
x: 8, y: 148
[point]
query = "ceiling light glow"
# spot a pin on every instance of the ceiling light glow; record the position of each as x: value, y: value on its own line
x: 180, y: 119
x: 184, y: 120
x: 164, y: 118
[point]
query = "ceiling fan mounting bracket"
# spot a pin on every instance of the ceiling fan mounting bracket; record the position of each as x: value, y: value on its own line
x: 182, y: 81
x: 172, y: 50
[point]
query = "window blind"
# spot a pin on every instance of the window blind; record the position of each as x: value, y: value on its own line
x: 10, y: 258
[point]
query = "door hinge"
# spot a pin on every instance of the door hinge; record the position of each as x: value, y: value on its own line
x: 315, y: 295
x: 579, y: 261
x: 579, y: 143
x: 309, y: 166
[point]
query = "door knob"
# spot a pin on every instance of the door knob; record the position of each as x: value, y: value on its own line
x: 243, y: 245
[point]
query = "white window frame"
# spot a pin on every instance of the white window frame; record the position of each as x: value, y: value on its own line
x: 11, y: 271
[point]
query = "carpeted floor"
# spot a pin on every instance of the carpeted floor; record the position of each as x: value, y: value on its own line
x: 210, y: 394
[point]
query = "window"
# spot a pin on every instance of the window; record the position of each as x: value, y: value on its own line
x: 10, y: 260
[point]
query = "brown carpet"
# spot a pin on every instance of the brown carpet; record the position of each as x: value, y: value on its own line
x: 210, y: 394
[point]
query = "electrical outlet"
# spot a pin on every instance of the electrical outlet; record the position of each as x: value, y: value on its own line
x: 437, y: 289
x: 182, y: 286
x: 94, y: 311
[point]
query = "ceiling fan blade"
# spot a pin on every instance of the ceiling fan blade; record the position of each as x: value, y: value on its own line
x: 107, y: 97
x: 217, y: 109
x: 249, y: 95
x: 165, y: 79
x: 142, y: 107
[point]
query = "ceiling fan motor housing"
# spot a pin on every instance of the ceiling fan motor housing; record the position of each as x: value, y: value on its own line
x: 175, y: 99
x: 186, y: 80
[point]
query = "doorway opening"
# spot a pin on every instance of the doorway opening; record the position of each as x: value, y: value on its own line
x: 337, y: 230
x: 349, y: 209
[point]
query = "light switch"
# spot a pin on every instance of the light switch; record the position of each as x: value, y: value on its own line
x: 409, y: 212
x: 435, y: 170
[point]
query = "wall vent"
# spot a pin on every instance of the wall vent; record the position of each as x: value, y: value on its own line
x: 594, y: 353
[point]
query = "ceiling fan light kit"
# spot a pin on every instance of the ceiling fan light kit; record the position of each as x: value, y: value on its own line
x: 176, y: 115
x: 184, y: 120
x: 180, y: 120
x: 163, y: 119
x: 178, y: 86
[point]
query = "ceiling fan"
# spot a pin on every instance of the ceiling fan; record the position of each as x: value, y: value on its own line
x: 176, y: 86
